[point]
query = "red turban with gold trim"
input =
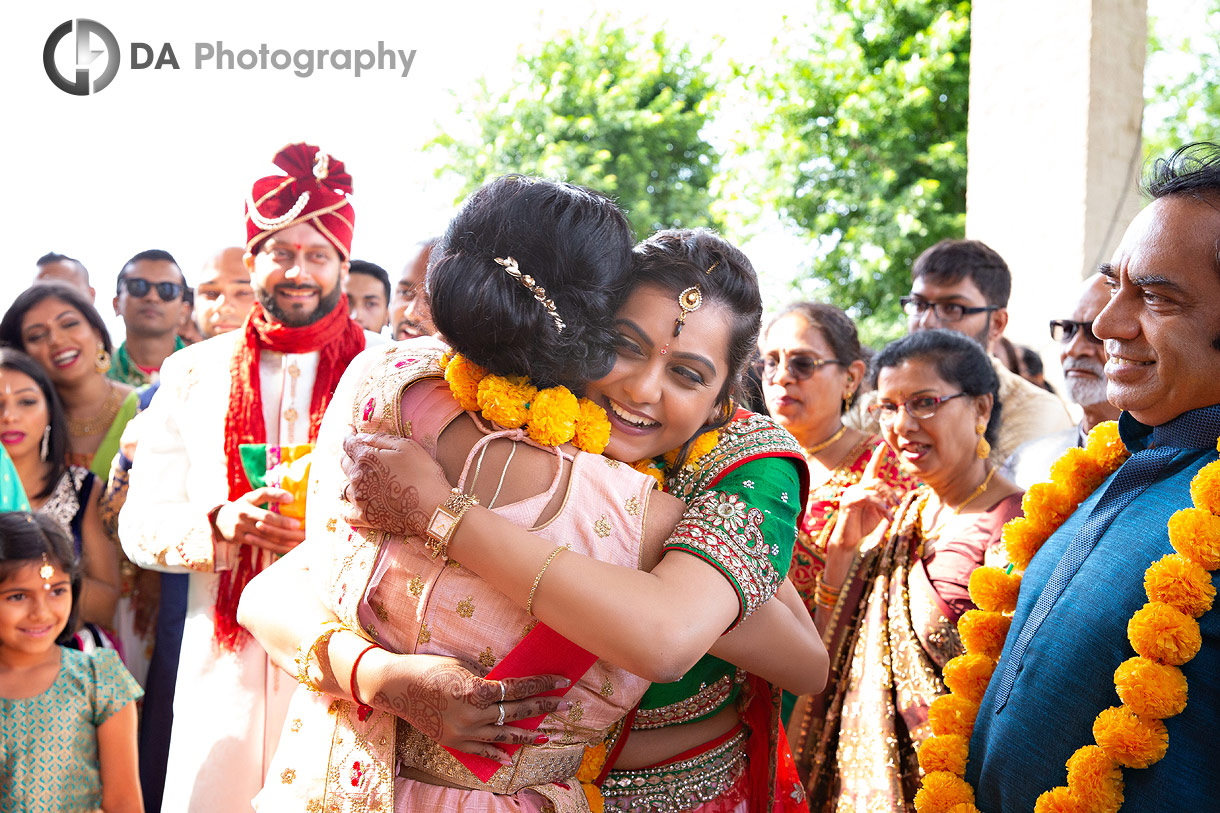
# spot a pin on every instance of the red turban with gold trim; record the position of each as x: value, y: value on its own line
x: 313, y: 191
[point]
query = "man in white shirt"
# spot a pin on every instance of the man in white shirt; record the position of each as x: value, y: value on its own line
x: 257, y: 392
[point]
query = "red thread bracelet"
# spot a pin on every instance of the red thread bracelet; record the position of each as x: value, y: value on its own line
x: 363, y: 710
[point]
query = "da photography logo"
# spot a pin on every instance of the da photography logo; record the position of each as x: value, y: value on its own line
x: 89, y: 34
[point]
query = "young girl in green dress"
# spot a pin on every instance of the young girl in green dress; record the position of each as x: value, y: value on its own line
x: 67, y: 718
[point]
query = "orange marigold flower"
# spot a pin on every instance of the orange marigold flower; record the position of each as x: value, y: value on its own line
x: 994, y: 590
x: 1022, y: 539
x: 950, y: 714
x: 1195, y: 533
x: 964, y: 807
x: 1205, y: 489
x: 983, y: 632
x: 1095, y: 779
x: 945, y: 753
x: 1181, y: 583
x: 1077, y: 473
x: 1151, y: 689
x: 505, y: 399
x: 967, y: 675
x: 1046, y: 506
x: 553, y: 416
x: 702, y: 445
x: 464, y: 377
x: 592, y: 427
x: 1105, y: 446
x: 591, y: 762
x: 1059, y: 800
x: 1164, y: 633
x: 941, y: 792
x: 1128, y: 739
x: 652, y: 469
x: 593, y: 795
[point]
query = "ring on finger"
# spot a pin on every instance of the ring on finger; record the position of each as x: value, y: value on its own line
x: 500, y: 719
x: 502, y: 692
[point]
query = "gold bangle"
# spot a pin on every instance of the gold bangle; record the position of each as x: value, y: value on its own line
x: 529, y: 602
x: 304, y: 654
x: 827, y: 596
x: 444, y: 522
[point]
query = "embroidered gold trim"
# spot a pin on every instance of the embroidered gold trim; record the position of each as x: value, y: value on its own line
x: 701, y: 704
x: 678, y: 786
x: 532, y: 764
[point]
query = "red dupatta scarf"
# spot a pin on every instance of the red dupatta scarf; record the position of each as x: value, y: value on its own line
x: 338, y: 339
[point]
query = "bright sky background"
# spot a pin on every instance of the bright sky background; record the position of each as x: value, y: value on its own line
x: 164, y: 158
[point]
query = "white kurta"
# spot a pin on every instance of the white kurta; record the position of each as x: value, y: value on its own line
x: 229, y: 707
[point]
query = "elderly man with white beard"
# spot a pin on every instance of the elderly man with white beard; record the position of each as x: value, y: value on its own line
x: 1083, y: 358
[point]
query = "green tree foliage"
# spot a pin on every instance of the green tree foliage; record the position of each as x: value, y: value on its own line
x: 866, y: 145
x: 1181, y: 76
x: 605, y: 108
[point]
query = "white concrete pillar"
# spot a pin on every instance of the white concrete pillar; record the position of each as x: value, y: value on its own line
x: 1056, y: 98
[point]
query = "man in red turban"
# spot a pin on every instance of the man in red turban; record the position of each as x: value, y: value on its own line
x: 200, y: 498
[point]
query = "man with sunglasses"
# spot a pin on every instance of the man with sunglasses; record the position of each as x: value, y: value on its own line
x: 1084, y: 361
x: 150, y: 301
x: 963, y: 285
x: 205, y: 497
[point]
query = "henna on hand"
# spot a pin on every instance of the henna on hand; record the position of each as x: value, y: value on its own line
x: 439, y: 703
x: 455, y: 707
x: 379, y: 499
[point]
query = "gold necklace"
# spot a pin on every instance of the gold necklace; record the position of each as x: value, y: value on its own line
x: 79, y: 428
x: 982, y: 487
x: 817, y: 447
x: 937, y: 525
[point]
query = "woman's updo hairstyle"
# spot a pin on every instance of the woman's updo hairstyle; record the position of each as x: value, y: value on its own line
x: 677, y: 259
x: 24, y: 539
x: 572, y: 241
x: 958, y: 359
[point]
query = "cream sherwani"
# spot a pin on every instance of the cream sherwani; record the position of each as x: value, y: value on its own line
x: 228, y: 706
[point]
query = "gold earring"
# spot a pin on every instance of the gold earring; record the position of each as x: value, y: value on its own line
x: 983, y: 449
x: 847, y: 399
x: 102, y: 362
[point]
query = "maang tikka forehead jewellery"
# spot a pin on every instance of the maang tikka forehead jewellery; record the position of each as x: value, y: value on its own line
x: 511, y: 268
x: 689, y: 301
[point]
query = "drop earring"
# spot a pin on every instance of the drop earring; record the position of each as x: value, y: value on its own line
x: 46, y: 443
x: 983, y: 449
x: 102, y: 361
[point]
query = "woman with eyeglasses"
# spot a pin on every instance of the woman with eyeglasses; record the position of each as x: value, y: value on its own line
x: 903, y: 575
x: 812, y: 367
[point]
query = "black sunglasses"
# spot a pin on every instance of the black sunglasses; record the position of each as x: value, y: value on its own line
x: 1064, y: 330
x: 168, y: 291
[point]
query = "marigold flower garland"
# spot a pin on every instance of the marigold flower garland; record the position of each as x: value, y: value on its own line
x: 551, y: 417
x: 1164, y: 634
x: 659, y: 467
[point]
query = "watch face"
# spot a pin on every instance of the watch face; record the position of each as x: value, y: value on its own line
x: 441, y: 524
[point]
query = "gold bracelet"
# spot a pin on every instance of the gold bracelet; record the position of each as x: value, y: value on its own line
x: 304, y: 654
x: 444, y: 522
x: 827, y: 596
x: 529, y: 602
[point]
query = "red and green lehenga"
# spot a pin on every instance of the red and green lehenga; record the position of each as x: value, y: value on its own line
x: 744, y: 499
